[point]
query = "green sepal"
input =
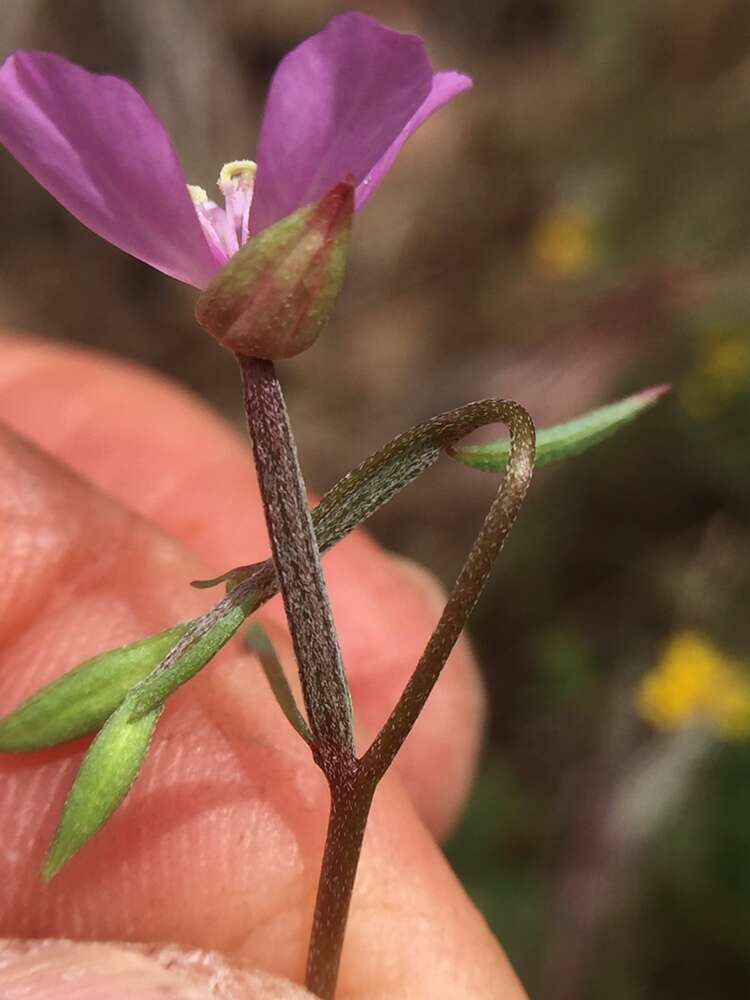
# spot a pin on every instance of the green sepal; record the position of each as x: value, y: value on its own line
x: 105, y: 777
x: 274, y: 297
x: 257, y: 641
x: 564, y: 440
x: 82, y: 700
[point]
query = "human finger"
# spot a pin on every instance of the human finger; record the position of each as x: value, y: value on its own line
x: 166, y: 455
x: 218, y: 846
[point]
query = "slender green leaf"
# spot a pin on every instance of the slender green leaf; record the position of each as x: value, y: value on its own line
x: 82, y: 700
x: 258, y: 641
x: 564, y: 440
x: 182, y: 664
x: 105, y: 777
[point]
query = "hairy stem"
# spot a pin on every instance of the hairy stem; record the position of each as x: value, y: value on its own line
x: 466, y: 590
x: 324, y: 685
x: 296, y: 558
x: 297, y: 561
x: 351, y: 796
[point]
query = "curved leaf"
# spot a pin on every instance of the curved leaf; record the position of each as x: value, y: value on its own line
x: 564, y: 440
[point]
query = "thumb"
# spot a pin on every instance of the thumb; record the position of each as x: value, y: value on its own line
x: 37, y: 970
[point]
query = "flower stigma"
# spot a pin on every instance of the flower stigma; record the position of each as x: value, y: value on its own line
x: 226, y: 229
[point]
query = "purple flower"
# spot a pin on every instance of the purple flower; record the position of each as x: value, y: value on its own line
x: 340, y: 105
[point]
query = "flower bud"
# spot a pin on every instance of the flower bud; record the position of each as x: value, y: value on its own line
x: 275, y: 295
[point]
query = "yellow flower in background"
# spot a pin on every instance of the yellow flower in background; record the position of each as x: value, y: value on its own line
x: 695, y: 683
x: 562, y: 242
x: 721, y: 371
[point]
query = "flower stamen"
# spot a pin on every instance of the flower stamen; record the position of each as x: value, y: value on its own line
x: 227, y: 229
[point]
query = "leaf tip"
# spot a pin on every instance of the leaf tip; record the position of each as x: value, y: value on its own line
x: 54, y: 860
x: 653, y: 393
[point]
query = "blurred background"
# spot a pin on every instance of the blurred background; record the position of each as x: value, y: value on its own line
x: 576, y: 228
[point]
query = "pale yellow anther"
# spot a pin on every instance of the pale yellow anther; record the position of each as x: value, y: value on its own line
x: 198, y: 194
x: 237, y: 174
x: 227, y: 227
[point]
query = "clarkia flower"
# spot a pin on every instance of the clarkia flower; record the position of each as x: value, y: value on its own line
x: 340, y: 106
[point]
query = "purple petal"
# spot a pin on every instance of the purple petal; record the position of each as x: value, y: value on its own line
x: 445, y: 86
x: 97, y: 147
x: 337, y: 105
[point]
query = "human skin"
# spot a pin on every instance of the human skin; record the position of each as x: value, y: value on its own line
x: 117, y: 489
